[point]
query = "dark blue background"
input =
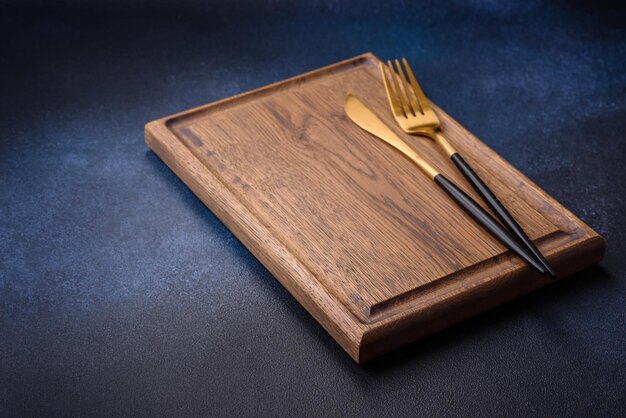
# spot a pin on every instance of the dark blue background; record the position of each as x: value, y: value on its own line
x: 120, y: 293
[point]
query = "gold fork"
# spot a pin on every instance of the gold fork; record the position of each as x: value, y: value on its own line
x: 413, y: 113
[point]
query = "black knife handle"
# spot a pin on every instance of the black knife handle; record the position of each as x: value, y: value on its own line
x: 486, y: 221
x: 496, y: 206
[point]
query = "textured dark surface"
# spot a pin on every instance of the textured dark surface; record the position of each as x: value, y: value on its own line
x: 120, y: 293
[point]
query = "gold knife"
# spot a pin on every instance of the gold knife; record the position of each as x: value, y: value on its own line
x: 367, y: 120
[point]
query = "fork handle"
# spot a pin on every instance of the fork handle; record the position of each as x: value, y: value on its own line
x: 496, y: 206
x: 481, y: 216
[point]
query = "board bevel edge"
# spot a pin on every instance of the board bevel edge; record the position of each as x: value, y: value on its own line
x: 362, y: 341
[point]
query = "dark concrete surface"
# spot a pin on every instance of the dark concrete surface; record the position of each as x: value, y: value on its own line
x: 121, y: 294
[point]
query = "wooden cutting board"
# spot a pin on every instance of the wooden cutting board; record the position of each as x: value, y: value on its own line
x: 371, y: 247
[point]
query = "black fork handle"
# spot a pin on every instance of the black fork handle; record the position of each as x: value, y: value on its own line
x: 481, y: 216
x: 496, y: 206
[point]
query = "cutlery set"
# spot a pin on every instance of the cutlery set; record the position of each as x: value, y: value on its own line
x: 413, y: 113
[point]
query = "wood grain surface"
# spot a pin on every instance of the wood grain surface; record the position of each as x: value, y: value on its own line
x: 371, y: 247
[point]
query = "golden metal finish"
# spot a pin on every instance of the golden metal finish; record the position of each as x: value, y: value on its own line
x: 410, y: 107
x: 367, y: 120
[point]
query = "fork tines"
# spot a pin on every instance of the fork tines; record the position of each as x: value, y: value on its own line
x: 408, y: 99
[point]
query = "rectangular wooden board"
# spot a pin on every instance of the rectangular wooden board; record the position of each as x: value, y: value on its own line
x: 371, y: 247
